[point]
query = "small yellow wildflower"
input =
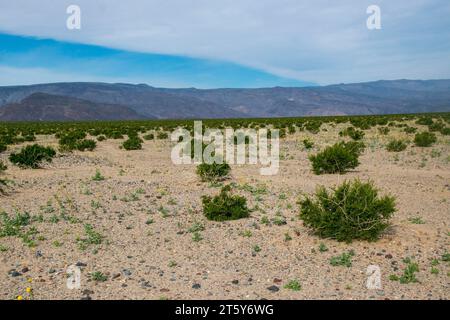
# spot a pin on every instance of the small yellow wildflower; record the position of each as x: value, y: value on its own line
x: 19, y: 298
x: 30, y: 280
x: 29, y: 290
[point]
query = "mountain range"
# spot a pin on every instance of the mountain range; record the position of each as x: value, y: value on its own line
x: 120, y: 101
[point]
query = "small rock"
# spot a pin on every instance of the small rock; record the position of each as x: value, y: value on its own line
x: 25, y: 269
x: 277, y: 281
x: 388, y: 256
x: 81, y: 264
x: 196, y: 286
x: 273, y: 289
x: 235, y: 282
x: 14, y: 273
x: 126, y: 272
x: 116, y: 275
x: 145, y: 284
x: 38, y: 254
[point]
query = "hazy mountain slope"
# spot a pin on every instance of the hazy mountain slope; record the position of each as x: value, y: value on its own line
x: 147, y: 101
x: 45, y: 107
x: 379, y: 97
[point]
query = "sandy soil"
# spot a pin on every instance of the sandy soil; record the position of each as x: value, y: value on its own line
x: 146, y: 205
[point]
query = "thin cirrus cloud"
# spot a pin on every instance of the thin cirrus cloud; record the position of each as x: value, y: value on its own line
x: 208, y: 43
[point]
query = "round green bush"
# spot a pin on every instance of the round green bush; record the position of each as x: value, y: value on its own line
x: 213, y: 172
x: 149, y: 136
x: 31, y: 156
x: 424, y: 139
x: 86, y: 144
x: 225, y: 206
x: 162, y: 135
x: 337, y: 158
x: 133, y: 143
x: 351, y: 211
x: 396, y: 146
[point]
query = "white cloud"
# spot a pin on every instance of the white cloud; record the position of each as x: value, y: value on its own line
x: 318, y: 41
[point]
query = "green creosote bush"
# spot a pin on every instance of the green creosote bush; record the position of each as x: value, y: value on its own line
x: 383, y: 130
x: 353, y: 210
x: 308, y: 144
x: 31, y: 156
x: 133, y: 143
x: 86, y: 144
x: 337, y: 158
x: 3, y: 147
x: 424, y: 139
x: 3, y: 182
x: 149, y: 136
x: 162, y: 135
x: 75, y: 140
x: 213, y: 172
x: 225, y: 206
x: 352, y: 133
x: 396, y: 145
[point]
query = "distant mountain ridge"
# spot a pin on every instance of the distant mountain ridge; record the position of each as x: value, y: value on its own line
x: 102, y: 101
x: 46, y: 107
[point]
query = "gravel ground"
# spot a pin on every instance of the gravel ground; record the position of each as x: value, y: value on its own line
x: 145, y: 207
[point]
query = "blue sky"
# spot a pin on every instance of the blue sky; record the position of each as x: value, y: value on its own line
x: 226, y: 43
x: 58, y: 61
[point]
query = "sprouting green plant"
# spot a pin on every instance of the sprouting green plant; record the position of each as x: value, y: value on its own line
x: 92, y: 237
x: 98, y: 276
x: 345, y: 259
x: 322, y: 247
x: 196, y: 236
x: 246, y: 233
x: 172, y: 264
x: 409, y: 273
x: 416, y: 220
x: 98, y: 176
x: 196, y: 227
x: 256, y: 248
x: 265, y: 220
x: 293, y: 285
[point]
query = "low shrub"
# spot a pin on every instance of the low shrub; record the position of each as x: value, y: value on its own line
x: 351, y: 211
x: 101, y: 138
x: 3, y: 182
x: 133, y: 143
x: 352, y: 133
x: 2, y: 147
x: 396, y: 146
x: 149, y: 136
x: 424, y: 139
x: 31, y: 156
x: 162, y: 135
x: 337, y: 158
x: 225, y: 206
x: 213, y: 172
x: 383, y: 130
x: 308, y: 144
x: 410, y: 129
x: 445, y: 131
x: 86, y: 144
x: 75, y: 140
